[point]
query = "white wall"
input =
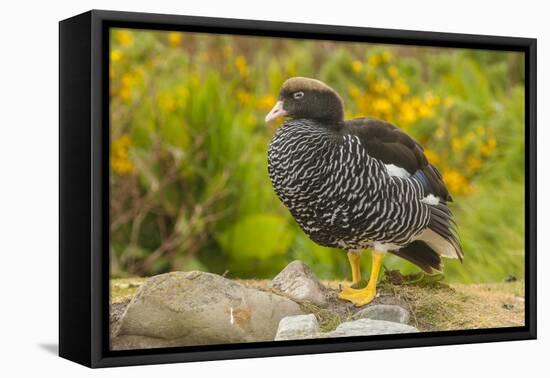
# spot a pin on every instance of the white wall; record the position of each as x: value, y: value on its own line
x: 28, y: 185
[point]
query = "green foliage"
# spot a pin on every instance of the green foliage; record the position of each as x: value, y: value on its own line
x: 268, y: 235
x: 189, y: 183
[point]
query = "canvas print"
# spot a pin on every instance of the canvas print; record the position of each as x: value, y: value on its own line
x: 272, y: 189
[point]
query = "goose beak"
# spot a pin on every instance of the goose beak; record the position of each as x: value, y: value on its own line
x: 276, y: 112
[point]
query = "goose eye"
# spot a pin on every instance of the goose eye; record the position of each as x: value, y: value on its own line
x: 298, y: 95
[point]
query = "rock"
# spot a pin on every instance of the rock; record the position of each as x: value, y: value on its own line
x: 298, y: 283
x: 116, y: 311
x: 390, y: 313
x: 197, y: 308
x: 297, y: 327
x: 369, y: 327
x: 307, y: 327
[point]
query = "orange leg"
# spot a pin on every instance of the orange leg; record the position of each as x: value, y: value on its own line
x: 361, y: 297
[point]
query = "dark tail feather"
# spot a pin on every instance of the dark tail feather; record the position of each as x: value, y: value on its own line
x: 420, y: 254
x: 442, y: 222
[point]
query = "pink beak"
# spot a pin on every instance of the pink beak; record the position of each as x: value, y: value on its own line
x: 276, y: 112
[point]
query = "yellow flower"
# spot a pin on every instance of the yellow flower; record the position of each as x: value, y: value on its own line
x: 424, y: 111
x: 120, y: 162
x: 381, y: 106
x: 431, y: 100
x: 373, y: 60
x: 127, y: 80
x: 381, y: 86
x: 244, y: 97
x: 457, y: 144
x: 182, y: 93
x: 125, y: 94
x: 474, y: 163
x: 122, y: 166
x: 354, y: 92
x: 401, y: 87
x: 415, y: 102
x: 174, y: 38
x: 124, y: 37
x: 167, y: 102
x: 470, y: 137
x: 266, y: 102
x: 489, y: 147
x: 432, y: 156
x: 393, y: 71
x: 242, y: 65
x: 456, y: 182
x: 386, y: 56
x: 407, y: 114
x: 370, y: 77
x: 116, y: 55
x: 394, y: 97
x: 356, y: 66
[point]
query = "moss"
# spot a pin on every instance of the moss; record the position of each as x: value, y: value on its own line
x: 328, y: 318
x: 462, y: 306
x: 123, y: 289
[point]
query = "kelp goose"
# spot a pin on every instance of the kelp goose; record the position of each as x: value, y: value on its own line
x: 357, y: 184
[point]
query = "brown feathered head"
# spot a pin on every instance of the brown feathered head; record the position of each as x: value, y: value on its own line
x: 302, y: 97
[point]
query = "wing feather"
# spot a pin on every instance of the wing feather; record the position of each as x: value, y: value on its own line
x: 391, y: 145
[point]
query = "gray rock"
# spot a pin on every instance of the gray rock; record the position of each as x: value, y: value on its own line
x: 297, y: 327
x: 369, y: 327
x: 298, y: 283
x: 197, y: 308
x: 390, y: 313
x: 116, y: 311
x: 307, y: 327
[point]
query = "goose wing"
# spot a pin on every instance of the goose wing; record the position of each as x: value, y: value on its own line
x: 397, y: 149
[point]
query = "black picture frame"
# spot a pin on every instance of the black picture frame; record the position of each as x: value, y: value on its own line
x: 84, y: 194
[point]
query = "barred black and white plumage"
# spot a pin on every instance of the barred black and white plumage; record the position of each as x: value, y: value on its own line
x: 360, y: 183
